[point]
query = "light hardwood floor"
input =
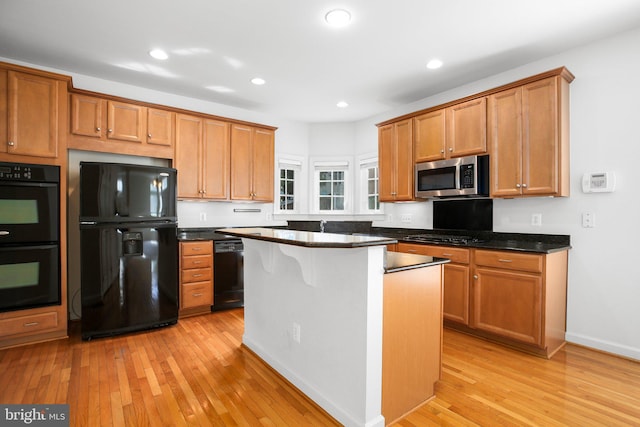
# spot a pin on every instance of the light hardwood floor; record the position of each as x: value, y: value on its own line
x: 197, y: 374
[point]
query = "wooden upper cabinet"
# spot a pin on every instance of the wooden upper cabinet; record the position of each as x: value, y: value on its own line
x: 34, y: 106
x: 160, y: 127
x: 395, y: 161
x: 126, y: 122
x: 100, y: 124
x: 429, y: 136
x: 252, y: 163
x: 467, y: 128
x: 215, y: 159
x: 202, y: 158
x: 528, y: 138
x: 4, y: 101
x: 188, y: 155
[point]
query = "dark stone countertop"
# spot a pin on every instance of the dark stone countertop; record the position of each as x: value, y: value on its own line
x: 187, y: 234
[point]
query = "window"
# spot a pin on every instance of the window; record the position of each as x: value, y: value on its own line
x: 331, y: 187
x: 289, y: 183
x: 287, y: 189
x: 331, y: 190
x: 369, y: 198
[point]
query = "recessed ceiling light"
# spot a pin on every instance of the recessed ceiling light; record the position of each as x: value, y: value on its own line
x: 158, y: 54
x: 337, y: 17
x: 434, y: 64
x: 258, y: 81
x: 342, y: 104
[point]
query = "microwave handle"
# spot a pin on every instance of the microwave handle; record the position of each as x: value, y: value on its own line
x: 458, y: 177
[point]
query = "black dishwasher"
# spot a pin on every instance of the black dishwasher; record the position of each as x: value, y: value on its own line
x: 228, y: 274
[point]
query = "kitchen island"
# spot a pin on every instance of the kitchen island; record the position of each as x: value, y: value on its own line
x: 355, y: 329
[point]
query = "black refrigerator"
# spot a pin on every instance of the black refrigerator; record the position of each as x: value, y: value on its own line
x: 128, y: 248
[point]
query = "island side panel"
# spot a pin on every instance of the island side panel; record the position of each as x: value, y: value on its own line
x: 412, y: 339
x: 334, y: 297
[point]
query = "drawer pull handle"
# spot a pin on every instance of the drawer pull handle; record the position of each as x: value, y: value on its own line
x: 197, y: 295
x: 197, y: 248
x: 445, y: 254
x: 26, y: 325
x: 505, y: 260
x: 197, y: 275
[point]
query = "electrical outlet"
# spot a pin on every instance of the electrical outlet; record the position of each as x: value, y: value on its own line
x: 406, y: 218
x: 203, y: 216
x: 269, y: 216
x: 296, y: 332
x: 588, y: 219
x: 536, y: 219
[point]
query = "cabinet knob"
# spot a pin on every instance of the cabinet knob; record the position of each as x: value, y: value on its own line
x: 98, y: 129
x: 110, y: 130
x: 524, y: 185
x: 441, y: 151
x: 149, y: 135
x: 517, y: 185
x: 11, y: 143
x: 475, y: 276
x: 451, y: 150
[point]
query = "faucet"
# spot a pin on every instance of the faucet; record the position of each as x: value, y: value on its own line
x: 322, y: 223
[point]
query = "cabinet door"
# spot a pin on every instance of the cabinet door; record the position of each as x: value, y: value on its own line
x: 126, y: 122
x: 386, y: 163
x: 262, y: 162
x: 32, y: 115
x: 505, y: 142
x: 160, y: 127
x: 215, y: 160
x: 467, y: 128
x: 4, y: 100
x: 429, y: 136
x: 508, y: 303
x: 404, y: 160
x: 87, y: 115
x: 540, y: 138
x: 456, y: 293
x: 188, y: 155
x: 240, y: 162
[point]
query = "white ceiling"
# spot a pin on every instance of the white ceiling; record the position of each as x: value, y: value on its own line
x: 375, y: 64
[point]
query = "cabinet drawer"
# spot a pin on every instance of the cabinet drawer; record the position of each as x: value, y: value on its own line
x: 196, y: 294
x: 28, y: 324
x: 457, y: 255
x: 196, y: 261
x: 196, y: 275
x: 510, y: 260
x: 197, y: 248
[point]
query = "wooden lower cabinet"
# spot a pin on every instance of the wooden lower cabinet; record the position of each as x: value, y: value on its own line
x: 516, y: 298
x: 456, y: 278
x: 196, y: 277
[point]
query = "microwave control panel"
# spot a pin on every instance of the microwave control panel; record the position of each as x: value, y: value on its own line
x: 467, y: 176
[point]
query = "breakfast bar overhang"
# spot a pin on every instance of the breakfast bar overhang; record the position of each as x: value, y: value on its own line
x: 322, y: 309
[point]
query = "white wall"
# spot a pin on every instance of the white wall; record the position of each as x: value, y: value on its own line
x: 604, y: 288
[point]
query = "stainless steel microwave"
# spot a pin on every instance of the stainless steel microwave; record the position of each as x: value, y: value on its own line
x: 460, y: 177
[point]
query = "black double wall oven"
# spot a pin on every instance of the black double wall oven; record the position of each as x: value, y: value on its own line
x: 29, y: 236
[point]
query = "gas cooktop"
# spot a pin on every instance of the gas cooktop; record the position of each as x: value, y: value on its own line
x: 442, y: 238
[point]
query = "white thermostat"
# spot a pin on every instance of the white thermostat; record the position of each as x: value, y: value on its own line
x: 598, y: 182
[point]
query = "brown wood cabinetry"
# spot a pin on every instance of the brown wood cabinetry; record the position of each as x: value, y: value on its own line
x: 202, y: 158
x: 529, y: 139
x: 516, y: 298
x: 459, y: 130
x: 196, y: 277
x: 521, y: 298
x: 32, y: 115
x: 395, y: 161
x: 102, y: 124
x: 251, y: 163
x: 456, y: 278
x: 411, y: 339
